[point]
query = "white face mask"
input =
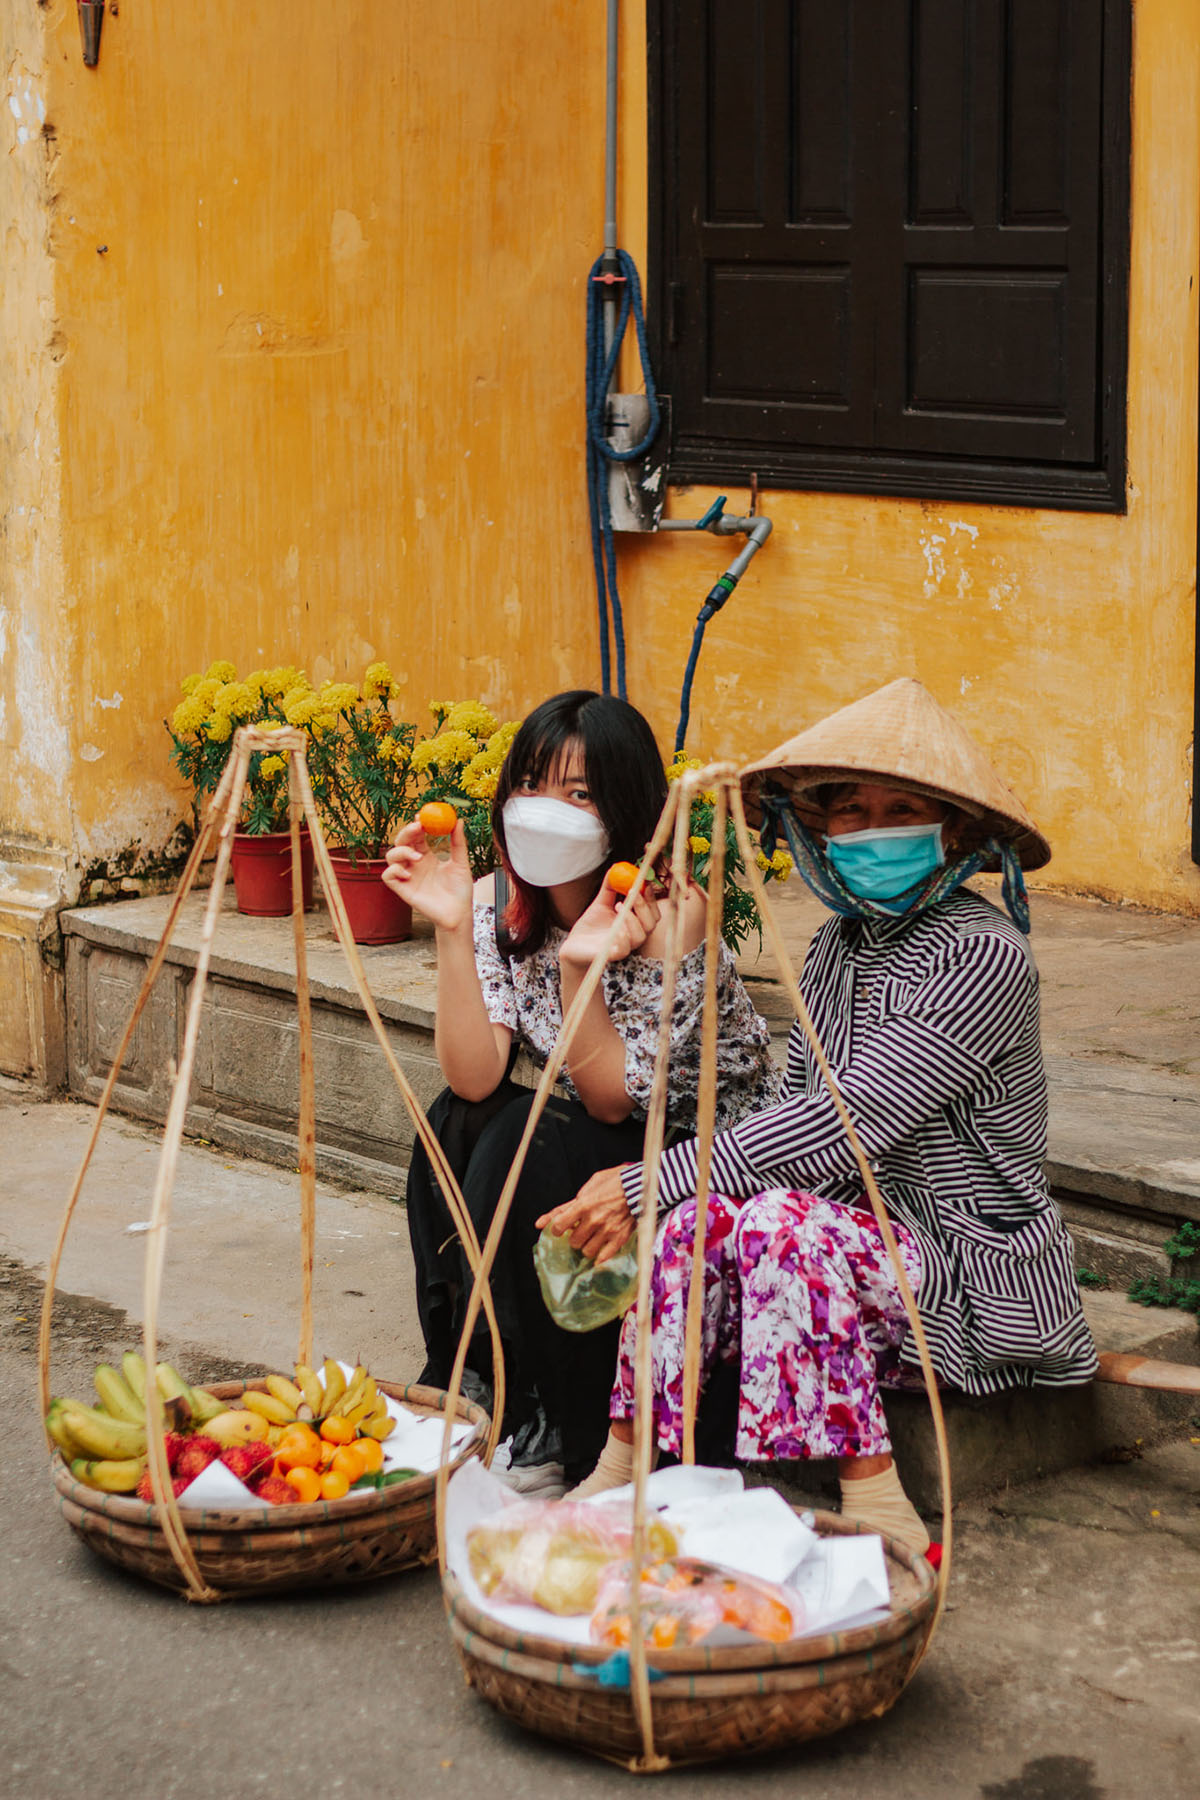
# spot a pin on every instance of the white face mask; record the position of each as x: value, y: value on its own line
x: 549, y: 842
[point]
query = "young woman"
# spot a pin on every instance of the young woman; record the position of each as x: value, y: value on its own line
x: 925, y: 998
x: 582, y: 786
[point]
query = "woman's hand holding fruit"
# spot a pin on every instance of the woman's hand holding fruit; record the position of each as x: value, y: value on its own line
x: 439, y: 888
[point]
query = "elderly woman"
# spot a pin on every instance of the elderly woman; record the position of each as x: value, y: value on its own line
x: 925, y: 998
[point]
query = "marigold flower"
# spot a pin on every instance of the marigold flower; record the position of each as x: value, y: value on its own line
x: 481, y: 777
x: 377, y: 682
x: 272, y: 765
x: 781, y: 865
x: 219, y: 727
x: 439, y: 708
x: 300, y: 707
x: 222, y: 671
x: 446, y: 749
x: 235, y: 700
x: 190, y: 683
x: 681, y: 765
x: 699, y: 846
x: 283, y: 681
x: 392, y: 750
x: 338, y: 696
x: 472, y: 716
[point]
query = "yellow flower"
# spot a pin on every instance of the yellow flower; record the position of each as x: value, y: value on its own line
x: 222, y: 671
x: 325, y: 721
x: 681, y: 765
x: 283, y: 681
x: 699, y: 846
x: 272, y: 765
x: 190, y: 683
x: 235, y: 700
x: 480, y: 778
x: 377, y: 682
x: 218, y: 728
x: 781, y: 865
x: 300, y: 706
x: 392, y: 750
x: 445, y: 750
x: 188, y: 716
x: 439, y: 708
x: 498, y: 743
x: 472, y: 716
x: 338, y: 696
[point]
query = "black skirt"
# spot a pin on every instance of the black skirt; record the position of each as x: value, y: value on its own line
x: 568, y: 1374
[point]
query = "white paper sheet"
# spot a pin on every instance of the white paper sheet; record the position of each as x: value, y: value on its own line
x: 843, y: 1583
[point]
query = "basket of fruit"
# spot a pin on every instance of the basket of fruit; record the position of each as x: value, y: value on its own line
x: 325, y: 1498
x: 263, y: 1484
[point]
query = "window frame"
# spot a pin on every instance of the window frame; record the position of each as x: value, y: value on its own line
x: 1096, y: 487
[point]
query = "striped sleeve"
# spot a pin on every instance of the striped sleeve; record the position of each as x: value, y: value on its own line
x: 939, y: 1042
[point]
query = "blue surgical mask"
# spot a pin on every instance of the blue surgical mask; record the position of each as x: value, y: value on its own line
x: 879, y: 865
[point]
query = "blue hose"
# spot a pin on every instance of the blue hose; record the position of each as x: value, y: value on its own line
x: 599, y: 451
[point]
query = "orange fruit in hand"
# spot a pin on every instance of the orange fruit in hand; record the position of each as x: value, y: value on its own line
x: 338, y: 1431
x: 306, y: 1482
x: 298, y: 1448
x: 371, y: 1451
x: 437, y: 818
x: 333, y: 1485
x: 350, y: 1462
x: 622, y: 876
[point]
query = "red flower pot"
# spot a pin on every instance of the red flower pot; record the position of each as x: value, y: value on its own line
x: 262, y: 872
x: 376, y: 915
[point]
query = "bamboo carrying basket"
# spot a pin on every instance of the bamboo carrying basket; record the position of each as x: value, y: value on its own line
x: 210, y: 1555
x: 691, y: 1706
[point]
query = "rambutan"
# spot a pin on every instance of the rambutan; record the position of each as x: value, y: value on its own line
x: 195, y: 1456
x: 174, y: 1441
x: 146, y: 1492
x: 249, y: 1462
x: 278, y: 1491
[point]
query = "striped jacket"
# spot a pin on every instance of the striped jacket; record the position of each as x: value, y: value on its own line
x: 931, y: 1026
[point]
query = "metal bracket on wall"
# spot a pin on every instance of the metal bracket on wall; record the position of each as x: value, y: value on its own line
x: 91, y: 18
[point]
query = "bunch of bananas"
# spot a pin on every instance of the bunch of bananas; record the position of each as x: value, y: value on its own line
x: 105, y: 1445
x: 312, y: 1398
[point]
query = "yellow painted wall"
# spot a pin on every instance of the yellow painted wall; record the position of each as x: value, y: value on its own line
x: 320, y: 396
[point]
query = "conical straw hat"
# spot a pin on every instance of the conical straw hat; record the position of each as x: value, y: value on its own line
x: 899, y: 735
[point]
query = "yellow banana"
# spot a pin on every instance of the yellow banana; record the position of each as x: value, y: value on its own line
x: 237, y: 1427
x: 133, y: 1368
x: 114, y: 1477
x: 56, y: 1426
x: 275, y: 1412
x: 287, y: 1391
x: 116, y: 1395
x: 98, y: 1435
x: 310, y: 1387
x: 355, y: 1389
x: 380, y: 1425
x: 334, y: 1387
x: 368, y: 1403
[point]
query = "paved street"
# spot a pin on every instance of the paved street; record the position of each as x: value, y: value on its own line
x: 1066, y: 1669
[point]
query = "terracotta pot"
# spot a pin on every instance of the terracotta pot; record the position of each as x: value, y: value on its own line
x: 377, y: 916
x: 262, y: 872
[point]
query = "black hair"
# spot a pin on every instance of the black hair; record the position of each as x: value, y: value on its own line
x: 625, y: 778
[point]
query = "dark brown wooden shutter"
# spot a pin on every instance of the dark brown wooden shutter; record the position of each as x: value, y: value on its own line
x: 889, y: 240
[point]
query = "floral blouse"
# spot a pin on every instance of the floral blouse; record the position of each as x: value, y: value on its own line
x: 525, y: 994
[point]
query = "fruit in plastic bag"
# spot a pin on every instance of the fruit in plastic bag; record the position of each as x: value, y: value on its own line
x: 684, y: 1600
x: 554, y: 1552
x: 580, y: 1294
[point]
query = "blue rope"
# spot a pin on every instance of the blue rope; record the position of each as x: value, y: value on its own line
x: 600, y: 452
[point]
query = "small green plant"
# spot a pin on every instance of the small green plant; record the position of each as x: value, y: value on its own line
x: 1181, y: 1288
x: 739, y: 909
x: 1088, y: 1278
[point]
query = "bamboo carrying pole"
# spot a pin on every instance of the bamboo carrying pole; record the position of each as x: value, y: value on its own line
x: 221, y: 820
x: 673, y: 822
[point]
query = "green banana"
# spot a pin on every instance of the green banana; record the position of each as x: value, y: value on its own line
x: 117, y: 1397
x: 112, y: 1476
x: 206, y: 1406
x: 97, y: 1434
x: 133, y: 1368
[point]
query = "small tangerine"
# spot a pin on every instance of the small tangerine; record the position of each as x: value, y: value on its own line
x: 437, y: 818
x: 338, y: 1431
x: 306, y: 1482
x: 333, y: 1485
x: 298, y: 1448
x: 622, y: 876
x: 371, y: 1451
x: 349, y: 1461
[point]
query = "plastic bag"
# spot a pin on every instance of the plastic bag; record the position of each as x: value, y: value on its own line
x: 554, y: 1552
x: 684, y: 1601
x: 579, y: 1294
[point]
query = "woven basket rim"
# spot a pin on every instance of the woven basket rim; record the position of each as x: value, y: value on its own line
x: 303, y: 1516
x: 468, y: 1621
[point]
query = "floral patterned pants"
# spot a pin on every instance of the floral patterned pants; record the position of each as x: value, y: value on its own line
x: 802, y: 1291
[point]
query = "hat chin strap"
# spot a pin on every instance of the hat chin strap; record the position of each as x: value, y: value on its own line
x: 819, y: 874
